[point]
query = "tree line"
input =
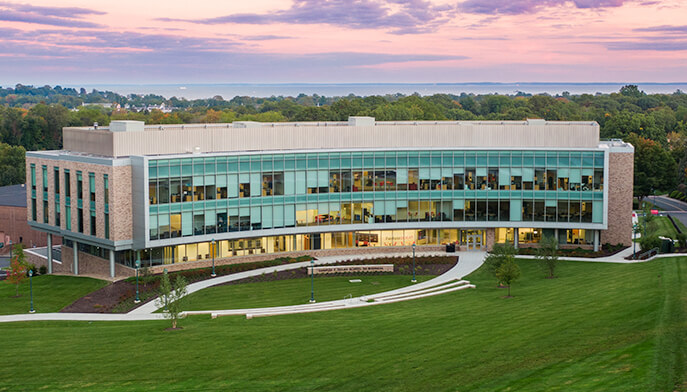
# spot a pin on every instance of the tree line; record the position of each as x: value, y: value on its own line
x: 32, y: 118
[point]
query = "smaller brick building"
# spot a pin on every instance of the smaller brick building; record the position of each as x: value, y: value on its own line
x: 13, y: 223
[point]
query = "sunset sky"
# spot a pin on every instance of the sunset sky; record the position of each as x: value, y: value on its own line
x: 342, y: 41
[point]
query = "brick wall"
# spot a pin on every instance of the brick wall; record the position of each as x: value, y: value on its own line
x: 620, y: 184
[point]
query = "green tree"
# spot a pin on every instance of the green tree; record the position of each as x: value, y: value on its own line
x: 171, y: 296
x: 499, y: 255
x: 654, y: 167
x: 508, y: 273
x: 547, y: 255
x: 12, y: 166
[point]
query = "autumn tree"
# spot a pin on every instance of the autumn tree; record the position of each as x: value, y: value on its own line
x: 18, y: 268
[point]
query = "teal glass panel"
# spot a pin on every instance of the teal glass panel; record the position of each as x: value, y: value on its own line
x: 301, y: 189
x: 289, y: 183
x: 267, y: 165
x: 563, y: 159
x: 234, y: 202
x: 290, y: 215
x: 209, y: 165
x: 459, y: 204
x: 550, y: 203
x: 163, y: 171
x: 176, y: 207
x: 255, y: 184
x: 301, y: 163
x: 470, y: 160
x: 413, y: 159
x: 334, y: 163
x: 232, y: 185
x: 504, y: 176
x: 504, y: 159
x: 540, y: 159
x: 356, y: 160
x: 516, y: 158
x: 221, y: 203
x: 597, y: 211
x: 255, y: 215
x: 527, y: 159
x: 210, y: 218
x: 175, y: 169
x: 357, y: 196
x: 402, y: 176
x: 575, y: 159
x: 289, y: 163
x: 278, y: 164
x: 458, y: 159
x: 267, y: 217
x: 598, y: 159
x: 152, y: 172
x: 209, y: 180
x: 233, y: 165
x: 312, y: 161
x: 424, y: 173
x: 493, y: 159
x: 368, y: 160
x: 289, y: 199
x: 528, y: 174
x: 402, y: 159
x: 481, y: 171
x: 311, y: 178
x: 436, y: 158
x: 481, y: 158
x: 198, y: 180
x: 278, y: 216
x: 255, y: 164
x: 379, y: 160
x: 345, y: 161
x: 588, y: 159
x: 390, y: 160
x: 515, y: 210
x: 244, y: 202
x: 186, y: 223
x: 198, y: 166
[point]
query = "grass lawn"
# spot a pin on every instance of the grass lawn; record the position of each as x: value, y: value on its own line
x: 293, y: 291
x: 598, y: 327
x: 660, y: 225
x: 50, y: 293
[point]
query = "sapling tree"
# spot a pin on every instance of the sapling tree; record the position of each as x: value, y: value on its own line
x: 171, y: 296
x: 500, y: 254
x: 547, y: 255
x: 508, y: 273
x: 18, y: 270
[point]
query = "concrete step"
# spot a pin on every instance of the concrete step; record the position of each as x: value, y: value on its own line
x: 428, y: 290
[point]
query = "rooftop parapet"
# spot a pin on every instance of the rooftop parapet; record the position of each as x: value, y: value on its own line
x: 124, y: 138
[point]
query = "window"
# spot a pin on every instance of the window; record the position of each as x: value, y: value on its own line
x: 67, y: 184
x: 45, y: 178
x: 107, y: 226
x: 56, y: 175
x: 106, y: 192
x: 33, y: 192
x: 79, y: 186
x: 79, y: 220
x: 92, y: 223
x: 91, y: 187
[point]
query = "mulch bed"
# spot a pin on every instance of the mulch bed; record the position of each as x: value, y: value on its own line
x: 107, y: 298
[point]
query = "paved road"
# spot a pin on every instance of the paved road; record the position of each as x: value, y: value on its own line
x: 675, y: 208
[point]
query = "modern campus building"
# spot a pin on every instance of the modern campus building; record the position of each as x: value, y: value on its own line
x: 165, y: 192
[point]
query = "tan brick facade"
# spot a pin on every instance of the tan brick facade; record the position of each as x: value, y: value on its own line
x: 119, y: 178
x: 620, y: 184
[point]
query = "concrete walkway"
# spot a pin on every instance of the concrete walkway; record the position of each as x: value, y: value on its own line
x: 151, y: 307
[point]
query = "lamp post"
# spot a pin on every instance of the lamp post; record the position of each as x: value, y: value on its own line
x: 634, y: 240
x: 312, y: 281
x: 31, y: 290
x: 413, y: 280
x: 164, y: 271
x: 213, y: 258
x: 138, y: 265
x: 10, y: 249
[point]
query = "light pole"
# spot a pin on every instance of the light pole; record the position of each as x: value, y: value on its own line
x: 213, y: 258
x: 10, y: 249
x: 164, y: 271
x: 634, y: 241
x: 413, y: 280
x: 138, y: 265
x: 31, y: 290
x: 312, y: 281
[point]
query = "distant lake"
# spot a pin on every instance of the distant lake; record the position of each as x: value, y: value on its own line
x: 228, y: 91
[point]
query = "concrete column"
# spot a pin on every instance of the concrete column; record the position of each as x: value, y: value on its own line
x: 76, y: 258
x: 555, y: 234
x: 596, y: 240
x: 515, y: 238
x: 49, y: 253
x: 112, y: 263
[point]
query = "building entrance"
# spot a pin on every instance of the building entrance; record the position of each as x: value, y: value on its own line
x: 472, y: 239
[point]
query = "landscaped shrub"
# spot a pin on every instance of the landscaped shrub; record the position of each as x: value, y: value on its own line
x: 43, y: 270
x: 650, y: 242
x: 682, y: 240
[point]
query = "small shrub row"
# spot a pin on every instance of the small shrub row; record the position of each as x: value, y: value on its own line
x: 677, y: 195
x: 606, y: 250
